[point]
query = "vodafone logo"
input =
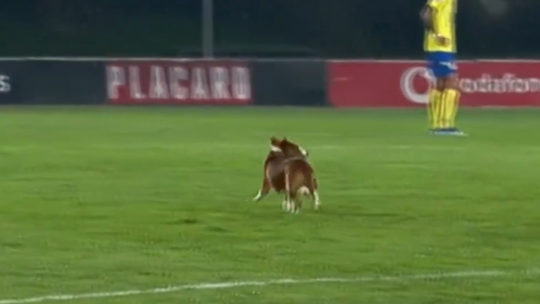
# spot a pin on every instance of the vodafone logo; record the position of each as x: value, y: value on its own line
x: 415, y: 83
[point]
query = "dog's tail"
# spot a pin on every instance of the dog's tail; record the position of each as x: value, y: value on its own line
x: 304, y: 190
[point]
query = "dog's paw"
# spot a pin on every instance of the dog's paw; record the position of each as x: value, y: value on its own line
x: 285, y: 206
x: 258, y: 197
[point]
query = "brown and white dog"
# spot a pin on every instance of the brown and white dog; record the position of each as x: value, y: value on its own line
x: 286, y: 169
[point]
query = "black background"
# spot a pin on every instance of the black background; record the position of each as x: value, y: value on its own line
x: 291, y: 82
x: 340, y: 28
x: 53, y: 82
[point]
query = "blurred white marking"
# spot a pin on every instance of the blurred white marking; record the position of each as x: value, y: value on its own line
x: 304, y: 190
x: 275, y: 149
x: 232, y: 147
x: 228, y: 285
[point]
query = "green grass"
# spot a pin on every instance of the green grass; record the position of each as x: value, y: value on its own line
x: 112, y: 199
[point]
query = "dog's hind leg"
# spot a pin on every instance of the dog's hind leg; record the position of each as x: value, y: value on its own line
x: 315, y: 193
x: 297, y: 205
x: 288, y: 197
x: 263, y: 191
x: 317, y: 200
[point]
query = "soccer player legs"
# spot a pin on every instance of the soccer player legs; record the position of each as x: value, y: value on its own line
x: 440, y: 47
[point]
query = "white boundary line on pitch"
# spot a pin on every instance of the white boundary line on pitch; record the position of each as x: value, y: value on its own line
x: 232, y: 147
x: 229, y: 285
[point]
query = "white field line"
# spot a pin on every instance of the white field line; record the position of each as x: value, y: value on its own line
x: 229, y: 285
x: 212, y: 147
x: 235, y: 147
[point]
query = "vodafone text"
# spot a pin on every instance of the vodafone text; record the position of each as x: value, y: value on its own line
x: 406, y: 84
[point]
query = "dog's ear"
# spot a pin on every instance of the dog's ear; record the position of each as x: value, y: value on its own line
x: 274, y: 141
x: 284, y: 143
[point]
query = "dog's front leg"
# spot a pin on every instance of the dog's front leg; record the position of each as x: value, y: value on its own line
x: 285, y: 204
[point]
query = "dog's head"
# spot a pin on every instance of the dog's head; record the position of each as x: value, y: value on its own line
x: 287, y: 147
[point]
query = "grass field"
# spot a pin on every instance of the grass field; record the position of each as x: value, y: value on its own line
x: 105, y: 200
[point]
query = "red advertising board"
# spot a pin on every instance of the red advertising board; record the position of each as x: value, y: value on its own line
x: 373, y: 83
x: 170, y: 82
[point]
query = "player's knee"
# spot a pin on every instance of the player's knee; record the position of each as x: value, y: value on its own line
x: 454, y: 84
x: 451, y: 82
x: 440, y: 84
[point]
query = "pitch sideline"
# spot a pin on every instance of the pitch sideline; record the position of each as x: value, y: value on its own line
x: 229, y: 285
